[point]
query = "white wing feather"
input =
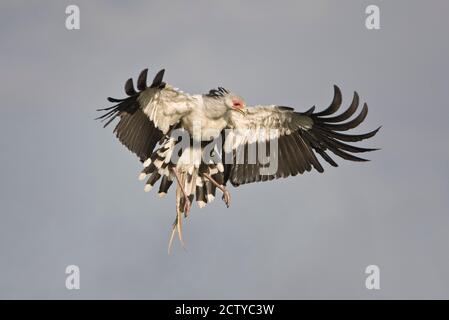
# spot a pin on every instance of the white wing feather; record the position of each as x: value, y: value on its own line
x: 262, y: 123
x: 165, y: 107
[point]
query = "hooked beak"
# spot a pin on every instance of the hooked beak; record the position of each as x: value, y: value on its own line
x: 241, y: 110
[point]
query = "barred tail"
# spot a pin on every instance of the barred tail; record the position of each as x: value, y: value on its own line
x: 158, y: 168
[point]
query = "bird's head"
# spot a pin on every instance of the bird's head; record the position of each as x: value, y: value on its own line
x: 235, y: 102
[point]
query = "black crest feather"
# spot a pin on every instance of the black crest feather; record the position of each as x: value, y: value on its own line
x: 217, y: 93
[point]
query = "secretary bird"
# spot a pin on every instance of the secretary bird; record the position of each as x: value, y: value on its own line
x: 219, y: 139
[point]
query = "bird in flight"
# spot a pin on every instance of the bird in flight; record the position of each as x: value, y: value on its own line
x: 201, y: 142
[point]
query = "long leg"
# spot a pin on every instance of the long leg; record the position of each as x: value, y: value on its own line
x: 186, y: 197
x: 177, y: 224
x: 226, y: 194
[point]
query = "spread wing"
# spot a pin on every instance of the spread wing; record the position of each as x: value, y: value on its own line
x: 295, y: 140
x: 147, y: 114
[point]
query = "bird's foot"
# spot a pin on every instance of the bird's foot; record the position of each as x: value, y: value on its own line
x: 226, y: 198
x: 226, y: 195
x: 187, y: 206
x: 177, y: 226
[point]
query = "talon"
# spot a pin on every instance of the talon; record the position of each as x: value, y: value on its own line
x: 173, y: 231
x: 226, y: 195
x: 226, y: 198
x: 187, y: 206
x: 177, y: 226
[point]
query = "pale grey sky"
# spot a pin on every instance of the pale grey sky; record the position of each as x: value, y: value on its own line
x: 69, y: 192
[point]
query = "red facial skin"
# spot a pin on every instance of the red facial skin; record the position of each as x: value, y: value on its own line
x: 238, y: 104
